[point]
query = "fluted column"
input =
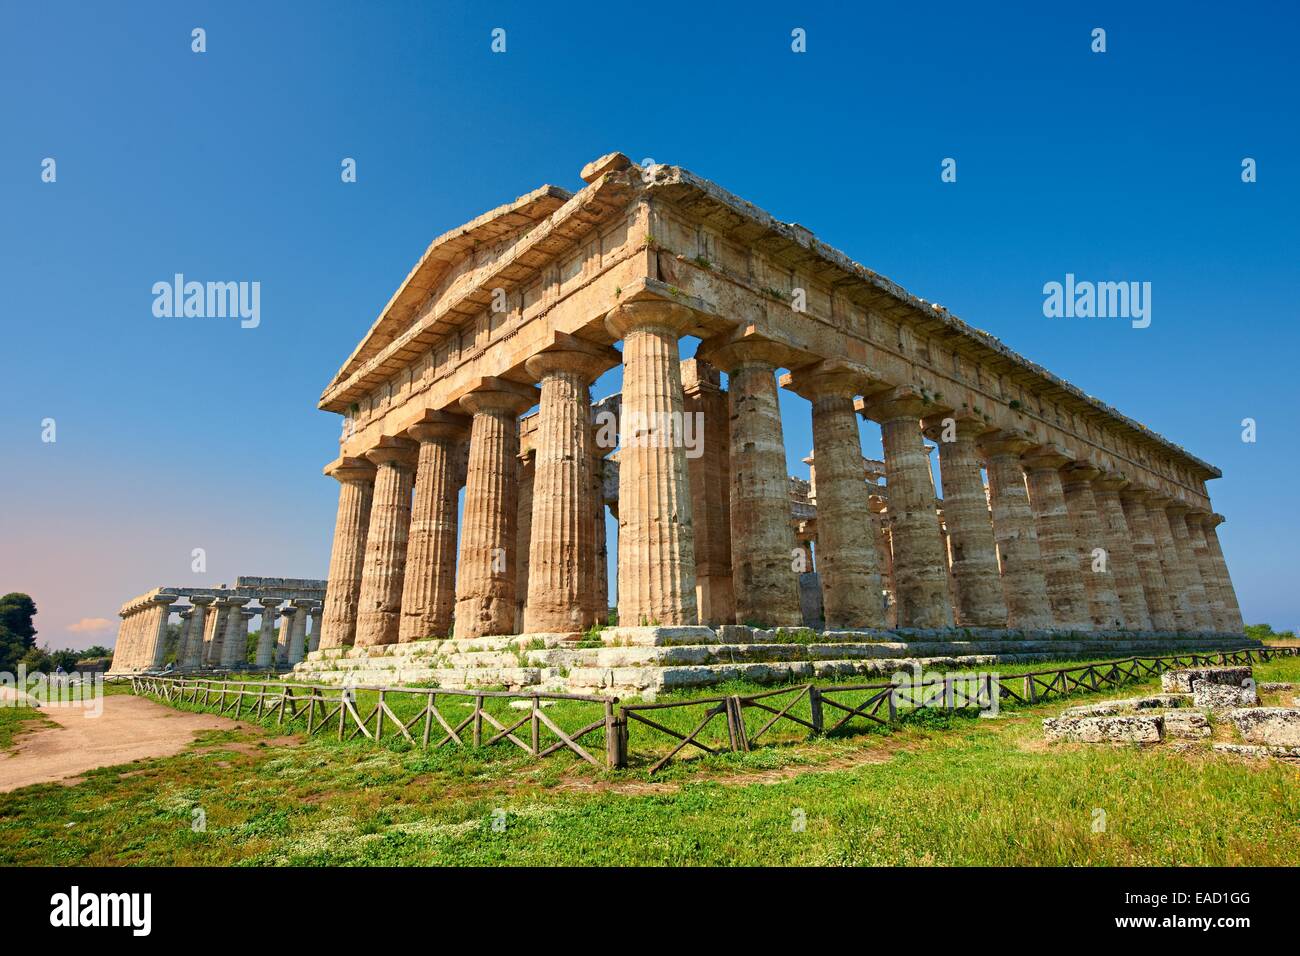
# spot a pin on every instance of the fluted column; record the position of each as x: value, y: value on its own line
x: 920, y: 565
x: 1123, y: 563
x: 847, y: 560
x: 156, y: 648
x: 1104, y: 608
x: 1065, y: 588
x: 979, y: 599
x: 656, y: 552
x: 356, y: 478
x: 193, y: 658
x: 1214, y: 599
x: 234, y: 645
x: 182, y: 644
x: 710, y: 477
x: 1180, y: 601
x: 1154, y: 587
x: 485, y: 581
x: 216, y: 636
x: 1196, y: 599
x: 600, y: 567
x: 428, y: 594
x: 298, y: 635
x: 764, y: 579
x: 884, y: 556
x: 123, y: 647
x: 1024, y: 586
x: 1232, y: 610
x: 527, y: 472
x: 285, y: 639
x: 313, y: 621
x: 265, y: 654
x: 562, y: 548
x: 379, y: 606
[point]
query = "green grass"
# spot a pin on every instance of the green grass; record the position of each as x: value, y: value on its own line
x: 15, y: 721
x: 938, y: 789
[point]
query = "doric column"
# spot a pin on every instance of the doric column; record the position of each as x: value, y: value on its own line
x: 764, y: 579
x: 379, y: 606
x: 847, y: 560
x: 1232, y: 610
x: 216, y: 636
x: 193, y: 659
x: 485, y: 582
x: 1024, y: 586
x: 285, y: 639
x: 428, y: 594
x: 356, y: 477
x: 265, y: 655
x: 234, y: 644
x: 1122, y: 563
x: 600, y: 568
x: 979, y: 600
x: 920, y: 566
x: 123, y: 646
x: 884, y: 556
x: 1196, y: 599
x: 1104, y: 608
x: 1065, y: 588
x: 1180, y: 601
x: 298, y: 635
x: 710, y: 477
x: 527, y: 472
x: 656, y: 547
x: 182, y: 645
x: 313, y: 620
x: 156, y: 648
x: 562, y: 548
x: 1214, y: 600
x: 1154, y: 588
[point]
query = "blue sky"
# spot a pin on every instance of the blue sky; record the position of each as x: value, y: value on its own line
x: 180, y: 433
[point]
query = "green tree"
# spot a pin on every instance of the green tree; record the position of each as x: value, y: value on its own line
x: 17, y: 633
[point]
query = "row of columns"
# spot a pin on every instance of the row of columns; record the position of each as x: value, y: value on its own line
x: 1056, y: 543
x: 214, y: 633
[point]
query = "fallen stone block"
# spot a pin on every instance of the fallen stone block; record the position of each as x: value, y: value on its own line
x: 1180, y: 681
x: 1213, y: 697
x: 1124, y: 705
x: 1186, y: 725
x: 1276, y: 685
x: 1258, y: 750
x: 1128, y: 729
x: 1273, y: 726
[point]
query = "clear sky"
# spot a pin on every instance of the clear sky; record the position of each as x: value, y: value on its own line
x: 175, y: 434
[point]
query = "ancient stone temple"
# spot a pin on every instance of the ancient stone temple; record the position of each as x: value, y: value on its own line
x: 1054, y: 514
x: 214, y: 626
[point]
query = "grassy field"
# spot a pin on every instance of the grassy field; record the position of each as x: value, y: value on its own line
x: 15, y: 721
x: 939, y: 789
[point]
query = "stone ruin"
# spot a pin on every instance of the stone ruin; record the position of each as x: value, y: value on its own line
x: 1190, y: 701
x: 214, y: 625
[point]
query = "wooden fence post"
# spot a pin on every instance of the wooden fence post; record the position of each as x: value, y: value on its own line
x: 815, y: 709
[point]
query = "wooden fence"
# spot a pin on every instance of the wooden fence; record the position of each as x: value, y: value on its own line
x: 318, y: 709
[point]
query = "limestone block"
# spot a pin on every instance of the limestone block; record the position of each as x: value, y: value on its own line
x: 1133, y: 729
x: 1272, y: 726
x: 1275, y: 685
x: 1213, y: 697
x: 1253, y: 750
x: 1180, y: 681
x: 1186, y: 725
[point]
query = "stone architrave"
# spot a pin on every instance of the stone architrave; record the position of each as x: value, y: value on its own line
x: 379, y: 606
x: 356, y: 478
x: 656, y: 541
x: 562, y: 546
x: 920, y: 565
x: 485, y: 582
x: 1065, y: 588
x: 429, y: 590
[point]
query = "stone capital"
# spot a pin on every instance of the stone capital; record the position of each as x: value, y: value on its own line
x: 732, y: 351
x: 439, y: 426
x: 1048, y: 457
x: 1214, y: 520
x: 1111, y: 481
x: 585, y: 359
x: 1006, y: 442
x: 1132, y: 491
x: 966, y: 424
x: 166, y: 599
x: 900, y: 402
x: 398, y: 452
x: 202, y: 599
x: 500, y: 395
x: 235, y: 601
x: 350, y: 469
x: 270, y: 604
x: 289, y: 610
x: 1079, y: 472
x: 656, y: 314
x: 1176, y: 507
x: 830, y: 377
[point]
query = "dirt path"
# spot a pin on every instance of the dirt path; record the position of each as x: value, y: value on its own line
x: 129, y: 728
